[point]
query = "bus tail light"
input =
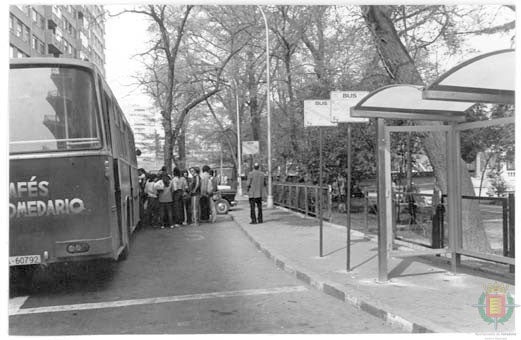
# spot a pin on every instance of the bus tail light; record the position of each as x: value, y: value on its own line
x: 107, y: 169
x: 79, y: 247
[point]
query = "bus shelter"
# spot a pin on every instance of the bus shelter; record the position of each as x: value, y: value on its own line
x: 488, y: 78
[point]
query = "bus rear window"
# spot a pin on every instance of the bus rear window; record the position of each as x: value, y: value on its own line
x: 52, y: 109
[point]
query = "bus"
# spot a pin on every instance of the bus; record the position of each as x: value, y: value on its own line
x: 73, y: 178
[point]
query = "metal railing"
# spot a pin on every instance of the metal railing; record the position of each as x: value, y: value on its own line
x: 302, y: 198
x: 426, y: 226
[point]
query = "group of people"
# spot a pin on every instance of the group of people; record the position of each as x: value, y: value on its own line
x: 188, y: 197
x: 180, y: 199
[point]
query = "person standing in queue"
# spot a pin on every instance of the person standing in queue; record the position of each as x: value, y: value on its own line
x: 255, y: 186
x: 206, y: 186
x: 195, y: 193
x: 151, y: 203
x: 179, y: 187
x: 187, y: 199
x: 164, y: 189
x: 214, y: 181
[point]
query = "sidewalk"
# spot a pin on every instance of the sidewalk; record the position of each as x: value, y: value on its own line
x: 421, y: 295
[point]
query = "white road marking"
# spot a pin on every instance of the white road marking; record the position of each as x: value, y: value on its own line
x: 194, y: 235
x: 16, y: 303
x: 164, y: 299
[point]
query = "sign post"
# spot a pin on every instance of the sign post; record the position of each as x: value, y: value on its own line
x: 317, y: 113
x: 341, y: 103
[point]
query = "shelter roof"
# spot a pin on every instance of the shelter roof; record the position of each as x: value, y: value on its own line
x: 406, y: 102
x: 488, y: 78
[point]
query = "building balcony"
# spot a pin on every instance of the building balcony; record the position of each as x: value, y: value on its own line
x: 55, y: 47
x: 52, y: 21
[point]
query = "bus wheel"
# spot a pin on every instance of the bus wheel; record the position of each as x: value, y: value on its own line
x: 20, y: 279
x: 222, y: 206
x: 124, y: 253
x: 126, y: 250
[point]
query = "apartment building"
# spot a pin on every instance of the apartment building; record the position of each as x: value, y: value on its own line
x: 62, y: 31
x: 148, y: 135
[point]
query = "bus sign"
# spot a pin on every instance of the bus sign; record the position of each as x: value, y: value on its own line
x: 250, y: 147
x: 317, y: 113
x: 341, y: 103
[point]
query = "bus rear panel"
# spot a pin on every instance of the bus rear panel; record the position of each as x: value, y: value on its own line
x: 59, y: 209
x: 61, y: 186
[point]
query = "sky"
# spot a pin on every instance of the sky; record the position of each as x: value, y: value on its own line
x: 125, y: 36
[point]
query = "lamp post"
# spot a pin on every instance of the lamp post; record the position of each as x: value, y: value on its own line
x: 239, y: 153
x: 270, y: 196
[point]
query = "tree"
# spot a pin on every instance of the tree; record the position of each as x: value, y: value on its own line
x: 179, y: 73
x: 495, y: 143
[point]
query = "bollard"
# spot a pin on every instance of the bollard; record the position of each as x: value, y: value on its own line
x: 394, y: 213
x: 504, y: 203
x: 437, y: 228
x: 306, y: 203
x: 316, y: 202
x: 512, y: 226
x: 366, y: 212
x: 329, y: 203
x: 290, y: 196
x: 298, y: 198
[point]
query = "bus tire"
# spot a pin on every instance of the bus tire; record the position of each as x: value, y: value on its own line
x: 124, y: 253
x: 126, y: 250
x: 21, y: 277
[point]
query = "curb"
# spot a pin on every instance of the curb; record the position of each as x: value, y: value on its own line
x: 339, y: 292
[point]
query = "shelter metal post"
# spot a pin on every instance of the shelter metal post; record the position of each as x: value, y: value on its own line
x: 348, y: 200
x: 382, y: 200
x: 388, y: 192
x: 452, y: 197
x: 459, y: 207
x: 319, y: 196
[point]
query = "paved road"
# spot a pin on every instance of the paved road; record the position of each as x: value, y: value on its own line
x: 207, y: 279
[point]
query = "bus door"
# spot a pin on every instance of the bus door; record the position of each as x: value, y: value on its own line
x: 111, y: 143
x: 117, y: 197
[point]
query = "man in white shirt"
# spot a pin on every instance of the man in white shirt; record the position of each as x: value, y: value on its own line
x: 152, y: 203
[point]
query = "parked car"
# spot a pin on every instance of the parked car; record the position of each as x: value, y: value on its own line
x: 226, y: 199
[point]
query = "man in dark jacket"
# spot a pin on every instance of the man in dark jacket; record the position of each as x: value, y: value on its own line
x: 195, y: 193
x: 255, y: 187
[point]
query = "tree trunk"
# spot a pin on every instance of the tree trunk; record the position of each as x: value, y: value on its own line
x: 318, y: 51
x: 253, y: 103
x: 489, y: 157
x: 168, y: 150
x: 292, y: 108
x: 400, y: 67
x: 181, y: 147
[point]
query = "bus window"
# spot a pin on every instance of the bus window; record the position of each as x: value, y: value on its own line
x: 116, y: 116
x: 105, y: 104
x: 132, y: 146
x: 52, y: 109
x: 124, y: 141
x: 106, y: 107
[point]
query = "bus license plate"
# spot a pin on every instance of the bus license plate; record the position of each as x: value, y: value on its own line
x: 24, y: 260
